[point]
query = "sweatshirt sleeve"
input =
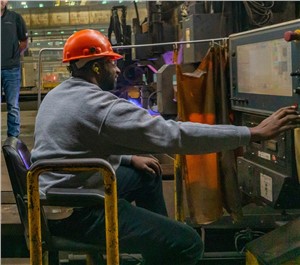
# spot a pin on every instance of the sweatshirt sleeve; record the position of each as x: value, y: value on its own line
x: 126, y: 160
x: 134, y: 130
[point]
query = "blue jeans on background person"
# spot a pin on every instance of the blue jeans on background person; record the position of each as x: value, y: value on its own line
x: 144, y: 228
x: 10, y: 83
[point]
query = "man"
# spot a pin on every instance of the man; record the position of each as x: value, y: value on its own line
x: 14, y: 42
x: 81, y: 118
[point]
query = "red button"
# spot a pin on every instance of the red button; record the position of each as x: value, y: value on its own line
x: 292, y: 35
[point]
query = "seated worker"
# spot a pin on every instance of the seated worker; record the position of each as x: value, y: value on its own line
x: 80, y: 118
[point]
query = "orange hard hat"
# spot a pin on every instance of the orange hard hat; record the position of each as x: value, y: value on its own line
x: 88, y: 44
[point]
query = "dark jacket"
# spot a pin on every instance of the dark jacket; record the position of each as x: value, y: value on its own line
x: 13, y: 30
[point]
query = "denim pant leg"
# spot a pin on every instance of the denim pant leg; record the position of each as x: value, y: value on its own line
x: 10, y: 81
x: 146, y: 229
x: 161, y: 240
x: 142, y: 188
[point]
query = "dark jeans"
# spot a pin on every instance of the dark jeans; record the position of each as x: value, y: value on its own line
x: 10, y: 83
x: 144, y: 228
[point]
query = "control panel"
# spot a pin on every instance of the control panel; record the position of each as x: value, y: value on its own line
x: 265, y: 68
x: 265, y: 76
x: 267, y: 185
x: 277, y: 153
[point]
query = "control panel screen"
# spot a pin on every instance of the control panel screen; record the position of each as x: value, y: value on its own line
x: 265, y: 67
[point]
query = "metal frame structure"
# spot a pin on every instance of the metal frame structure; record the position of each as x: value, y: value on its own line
x: 71, y: 165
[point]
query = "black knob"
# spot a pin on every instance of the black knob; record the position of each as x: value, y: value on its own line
x: 297, y: 73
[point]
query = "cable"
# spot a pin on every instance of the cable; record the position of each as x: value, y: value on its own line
x: 259, y: 12
x: 203, y: 236
x: 222, y: 19
x: 245, y: 236
x: 149, y: 105
x: 137, y: 13
x: 127, y: 258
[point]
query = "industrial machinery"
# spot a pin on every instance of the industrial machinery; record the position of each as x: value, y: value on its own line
x: 202, y: 23
x: 265, y: 76
x: 166, y: 88
x: 159, y: 26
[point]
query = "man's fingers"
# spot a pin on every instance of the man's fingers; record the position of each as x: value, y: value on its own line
x: 291, y: 118
x: 283, y: 112
x: 155, y: 166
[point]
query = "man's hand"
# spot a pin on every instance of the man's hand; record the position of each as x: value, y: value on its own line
x: 148, y: 164
x: 280, y: 121
x: 23, y: 45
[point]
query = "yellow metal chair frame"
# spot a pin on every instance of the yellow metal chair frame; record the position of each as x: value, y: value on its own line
x: 71, y: 165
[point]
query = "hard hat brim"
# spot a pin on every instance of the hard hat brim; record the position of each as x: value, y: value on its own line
x: 111, y: 55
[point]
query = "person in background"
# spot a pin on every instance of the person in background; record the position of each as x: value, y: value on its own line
x: 81, y: 118
x: 14, y: 41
